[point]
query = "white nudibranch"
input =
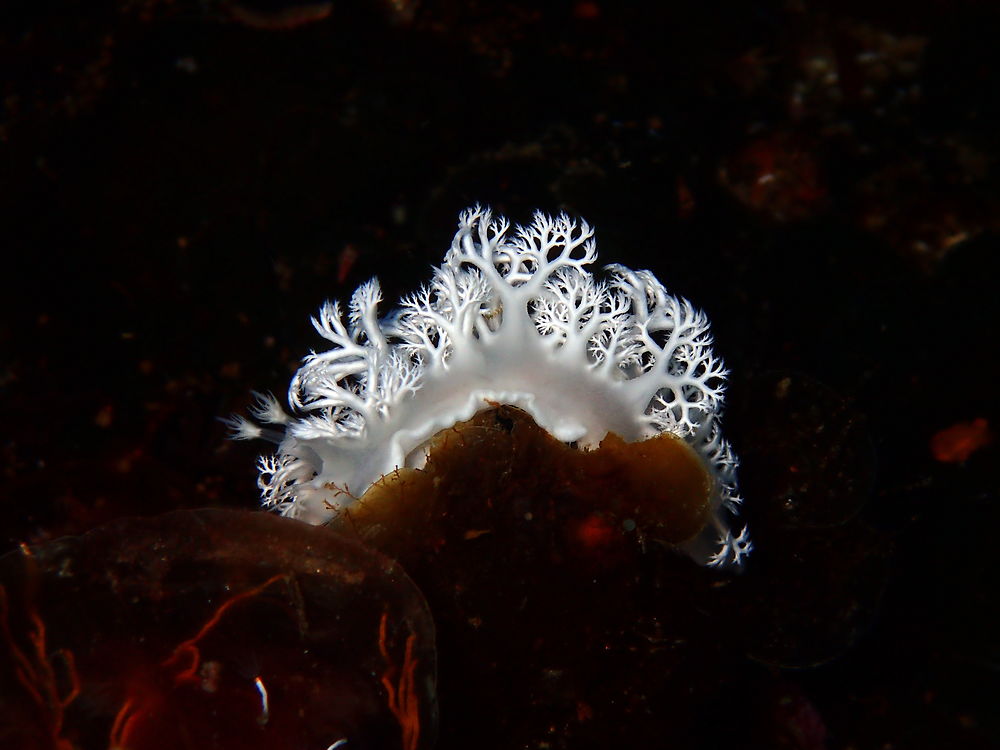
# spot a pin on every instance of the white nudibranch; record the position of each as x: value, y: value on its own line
x: 513, y: 316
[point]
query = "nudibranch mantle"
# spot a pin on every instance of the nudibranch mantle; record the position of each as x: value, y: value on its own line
x: 514, y: 317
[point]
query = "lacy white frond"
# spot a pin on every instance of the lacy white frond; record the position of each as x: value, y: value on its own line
x: 513, y: 315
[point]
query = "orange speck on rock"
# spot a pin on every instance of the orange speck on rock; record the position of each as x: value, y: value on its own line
x: 105, y: 416
x: 594, y: 532
x: 685, y: 199
x: 474, y: 533
x: 281, y: 19
x: 955, y: 444
x: 345, y: 262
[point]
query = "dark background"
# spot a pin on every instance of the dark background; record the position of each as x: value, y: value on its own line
x: 183, y: 183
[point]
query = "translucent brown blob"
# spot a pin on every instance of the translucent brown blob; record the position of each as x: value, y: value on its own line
x: 212, y: 629
x: 659, y: 488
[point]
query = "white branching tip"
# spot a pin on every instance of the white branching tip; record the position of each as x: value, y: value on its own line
x: 240, y: 428
x: 732, y: 550
x: 267, y: 409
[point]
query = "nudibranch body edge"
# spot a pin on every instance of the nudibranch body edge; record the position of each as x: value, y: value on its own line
x: 512, y: 316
